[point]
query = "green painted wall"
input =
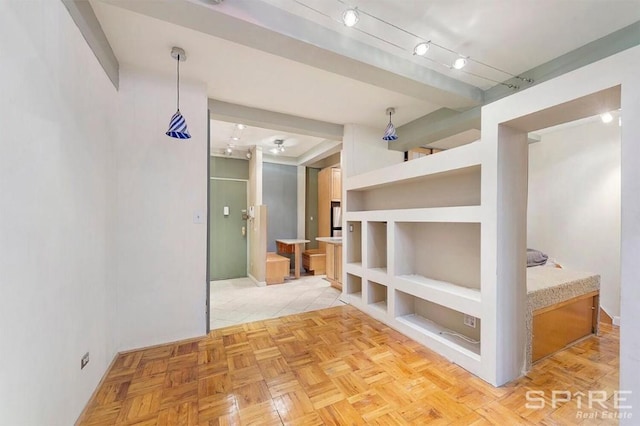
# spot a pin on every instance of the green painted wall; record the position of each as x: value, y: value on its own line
x: 230, y: 168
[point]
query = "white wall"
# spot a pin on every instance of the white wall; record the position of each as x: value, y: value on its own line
x: 574, y: 202
x: 619, y: 69
x: 364, y: 150
x: 160, y: 181
x: 56, y: 169
x: 630, y: 235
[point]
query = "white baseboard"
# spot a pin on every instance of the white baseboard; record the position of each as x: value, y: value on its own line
x: 258, y: 283
x: 616, y: 321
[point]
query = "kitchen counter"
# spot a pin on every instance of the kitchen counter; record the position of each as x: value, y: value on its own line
x: 330, y: 240
x: 333, y: 260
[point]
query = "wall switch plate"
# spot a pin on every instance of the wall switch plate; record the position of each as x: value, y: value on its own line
x: 470, y: 321
x: 350, y: 228
x: 84, y: 361
x: 225, y: 210
x: 198, y: 217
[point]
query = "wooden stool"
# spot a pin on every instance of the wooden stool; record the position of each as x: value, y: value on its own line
x: 314, y: 261
x: 277, y: 268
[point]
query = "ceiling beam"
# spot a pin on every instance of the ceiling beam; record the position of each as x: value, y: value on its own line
x: 256, y: 117
x: 85, y: 19
x: 435, y: 126
x: 319, y: 152
x: 445, y: 122
x: 259, y: 25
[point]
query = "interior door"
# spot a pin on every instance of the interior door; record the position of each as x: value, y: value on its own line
x: 228, y: 251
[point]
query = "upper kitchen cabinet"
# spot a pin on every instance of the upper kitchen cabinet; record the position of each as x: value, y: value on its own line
x: 336, y: 184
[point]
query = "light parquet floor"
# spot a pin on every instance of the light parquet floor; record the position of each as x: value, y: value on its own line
x: 335, y: 366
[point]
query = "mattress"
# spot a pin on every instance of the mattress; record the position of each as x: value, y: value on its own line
x: 547, y: 286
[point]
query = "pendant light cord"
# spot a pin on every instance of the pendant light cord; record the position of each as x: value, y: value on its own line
x: 178, y: 84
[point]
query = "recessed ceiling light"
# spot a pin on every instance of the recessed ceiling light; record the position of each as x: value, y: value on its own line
x: 235, y: 138
x: 421, y: 49
x: 606, y: 117
x: 460, y: 63
x: 350, y: 17
x: 240, y: 126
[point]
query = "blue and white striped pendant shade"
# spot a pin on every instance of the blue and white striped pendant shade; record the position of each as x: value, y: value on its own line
x: 178, y: 127
x: 390, y: 132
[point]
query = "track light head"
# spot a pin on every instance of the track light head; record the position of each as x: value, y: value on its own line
x: 421, y: 48
x: 350, y: 17
x: 460, y: 63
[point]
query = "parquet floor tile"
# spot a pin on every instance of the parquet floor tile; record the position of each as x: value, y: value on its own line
x: 336, y: 366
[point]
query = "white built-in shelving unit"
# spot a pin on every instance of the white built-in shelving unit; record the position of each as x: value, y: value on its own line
x: 412, y: 243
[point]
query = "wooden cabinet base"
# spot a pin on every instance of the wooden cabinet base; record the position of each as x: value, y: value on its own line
x: 336, y: 284
x: 557, y: 326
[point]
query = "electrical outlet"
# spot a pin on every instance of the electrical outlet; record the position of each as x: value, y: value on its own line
x: 470, y: 321
x: 84, y: 361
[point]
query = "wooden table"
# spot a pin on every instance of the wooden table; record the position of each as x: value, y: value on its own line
x: 285, y: 246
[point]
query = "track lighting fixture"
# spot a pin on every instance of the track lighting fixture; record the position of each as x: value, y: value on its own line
x: 421, y: 49
x: 460, y: 63
x: 350, y: 17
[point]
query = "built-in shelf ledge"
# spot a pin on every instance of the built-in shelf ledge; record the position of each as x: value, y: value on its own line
x: 378, y: 274
x: 439, y: 333
x: 357, y: 295
x: 461, y: 214
x: 457, y: 297
x: 382, y: 305
x: 447, y: 161
x: 355, y: 269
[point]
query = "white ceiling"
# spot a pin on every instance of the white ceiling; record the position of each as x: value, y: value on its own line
x: 223, y: 132
x: 512, y: 35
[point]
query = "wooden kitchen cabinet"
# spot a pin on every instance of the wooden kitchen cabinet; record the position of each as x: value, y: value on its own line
x: 336, y: 184
x: 334, y: 265
x: 329, y: 196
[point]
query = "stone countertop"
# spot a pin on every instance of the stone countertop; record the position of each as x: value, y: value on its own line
x: 330, y: 240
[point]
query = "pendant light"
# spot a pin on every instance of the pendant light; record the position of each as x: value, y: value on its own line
x: 178, y: 125
x: 390, y: 131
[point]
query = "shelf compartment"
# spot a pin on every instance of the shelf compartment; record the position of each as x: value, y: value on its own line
x: 463, y: 299
x: 377, y: 295
x: 354, y: 242
x: 438, y: 322
x: 377, y: 245
x: 462, y: 214
x: 456, y: 188
x: 354, y: 286
x: 441, y: 251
